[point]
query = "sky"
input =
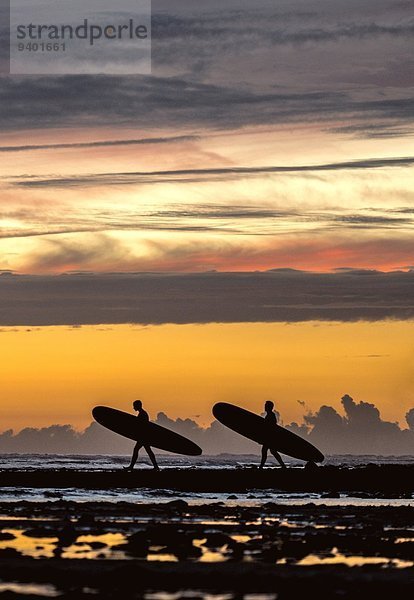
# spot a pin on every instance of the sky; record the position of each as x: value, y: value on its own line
x: 236, y: 226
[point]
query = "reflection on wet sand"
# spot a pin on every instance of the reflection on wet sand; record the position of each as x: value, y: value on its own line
x: 219, y: 550
x: 32, y: 589
x: 267, y: 533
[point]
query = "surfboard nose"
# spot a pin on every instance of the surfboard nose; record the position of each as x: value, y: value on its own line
x: 217, y: 409
x: 96, y: 411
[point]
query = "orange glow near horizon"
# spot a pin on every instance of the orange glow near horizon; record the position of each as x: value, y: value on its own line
x: 57, y: 374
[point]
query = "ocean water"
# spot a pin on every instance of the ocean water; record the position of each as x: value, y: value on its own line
x: 93, y: 463
x: 33, y: 462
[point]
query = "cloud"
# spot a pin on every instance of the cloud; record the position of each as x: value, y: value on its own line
x: 156, y: 102
x: 409, y: 417
x: 210, y: 174
x: 101, y: 144
x: 213, y: 439
x: 63, y: 254
x: 360, y: 430
x: 214, y: 66
x: 282, y: 295
x: 251, y: 228
x: 160, y: 103
x: 63, y: 439
x: 229, y: 28
x: 382, y: 130
x: 95, y: 439
x: 368, y: 221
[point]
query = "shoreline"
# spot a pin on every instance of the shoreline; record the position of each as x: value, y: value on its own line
x: 392, y: 479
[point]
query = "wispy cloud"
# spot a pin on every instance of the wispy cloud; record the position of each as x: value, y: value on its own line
x: 101, y: 144
x: 209, y: 174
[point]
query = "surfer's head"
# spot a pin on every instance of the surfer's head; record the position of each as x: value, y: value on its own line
x: 137, y: 405
x: 269, y: 406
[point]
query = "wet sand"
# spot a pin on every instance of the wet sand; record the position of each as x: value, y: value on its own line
x: 391, y: 479
x: 171, y: 550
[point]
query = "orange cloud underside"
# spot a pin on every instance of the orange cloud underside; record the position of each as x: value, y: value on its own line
x: 383, y: 255
x: 117, y: 251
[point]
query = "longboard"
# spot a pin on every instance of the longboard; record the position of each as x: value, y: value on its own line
x: 154, y: 435
x: 254, y: 428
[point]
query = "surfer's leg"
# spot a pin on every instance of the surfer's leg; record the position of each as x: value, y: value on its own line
x: 152, y: 457
x: 264, y: 456
x: 134, y: 457
x: 279, y: 459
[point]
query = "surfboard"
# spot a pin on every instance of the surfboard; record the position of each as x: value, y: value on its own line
x: 253, y: 427
x: 150, y: 433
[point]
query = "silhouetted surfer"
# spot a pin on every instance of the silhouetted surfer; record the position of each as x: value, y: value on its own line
x: 142, y: 418
x: 271, y: 421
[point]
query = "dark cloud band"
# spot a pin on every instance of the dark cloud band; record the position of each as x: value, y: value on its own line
x: 282, y: 295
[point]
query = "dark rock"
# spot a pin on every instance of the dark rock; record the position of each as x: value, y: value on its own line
x: 6, y: 553
x: 40, y: 532
x: 217, y: 540
x: 67, y: 535
x: 331, y: 495
x: 6, y: 536
x: 137, y: 544
x: 178, y: 505
x: 97, y: 545
x: 50, y: 494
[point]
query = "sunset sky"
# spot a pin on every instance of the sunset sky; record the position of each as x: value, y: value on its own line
x: 270, y: 135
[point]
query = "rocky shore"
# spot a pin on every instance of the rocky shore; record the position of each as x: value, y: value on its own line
x: 391, y: 479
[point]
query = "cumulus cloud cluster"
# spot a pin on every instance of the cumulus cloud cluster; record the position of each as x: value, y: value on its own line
x: 359, y: 430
